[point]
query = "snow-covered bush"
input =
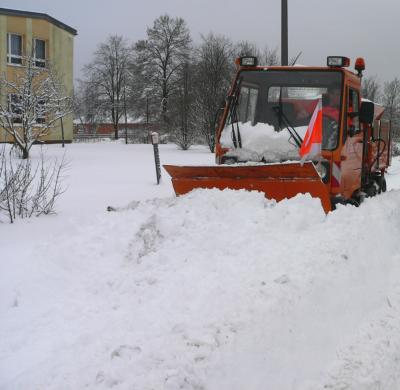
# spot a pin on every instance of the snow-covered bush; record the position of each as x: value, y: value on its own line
x: 26, y: 189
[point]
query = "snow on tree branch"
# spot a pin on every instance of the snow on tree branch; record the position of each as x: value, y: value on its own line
x: 32, y: 104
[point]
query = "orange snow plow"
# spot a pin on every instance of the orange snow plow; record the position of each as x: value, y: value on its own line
x: 276, y: 181
x: 287, y: 130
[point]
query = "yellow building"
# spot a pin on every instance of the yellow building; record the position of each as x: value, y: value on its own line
x: 48, y: 41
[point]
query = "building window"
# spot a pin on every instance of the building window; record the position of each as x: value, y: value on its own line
x: 14, y: 49
x: 41, y: 111
x: 15, y: 107
x: 39, y: 52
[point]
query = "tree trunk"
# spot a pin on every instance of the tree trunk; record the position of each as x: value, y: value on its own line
x: 116, y: 130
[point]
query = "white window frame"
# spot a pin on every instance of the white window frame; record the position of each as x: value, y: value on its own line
x: 9, y: 54
x: 39, y: 60
x: 40, y: 119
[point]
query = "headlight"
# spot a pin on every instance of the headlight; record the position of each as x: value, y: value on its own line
x: 248, y: 61
x: 334, y: 61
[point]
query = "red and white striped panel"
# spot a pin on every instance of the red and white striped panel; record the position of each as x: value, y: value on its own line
x: 336, y: 174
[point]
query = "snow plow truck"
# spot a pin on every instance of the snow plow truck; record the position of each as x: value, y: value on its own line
x: 287, y: 130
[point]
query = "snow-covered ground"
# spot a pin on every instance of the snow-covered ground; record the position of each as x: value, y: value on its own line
x: 213, y: 290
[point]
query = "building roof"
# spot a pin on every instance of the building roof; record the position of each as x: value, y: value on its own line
x: 37, y: 15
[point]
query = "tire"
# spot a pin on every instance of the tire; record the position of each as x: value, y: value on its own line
x: 371, y: 191
x: 383, y: 184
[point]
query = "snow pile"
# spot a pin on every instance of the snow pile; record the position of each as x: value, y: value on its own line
x: 393, y: 174
x: 261, y: 141
x: 215, y: 290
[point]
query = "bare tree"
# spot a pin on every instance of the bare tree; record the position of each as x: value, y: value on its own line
x: 88, y: 106
x: 181, y: 110
x: 34, y: 102
x: 391, y: 101
x: 267, y: 57
x: 108, y: 72
x: 270, y: 57
x: 160, y: 58
x: 246, y: 48
x: 215, y: 67
x: 371, y: 89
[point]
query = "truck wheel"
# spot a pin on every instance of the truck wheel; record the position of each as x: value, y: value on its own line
x: 383, y: 184
x: 380, y: 184
x: 371, y: 191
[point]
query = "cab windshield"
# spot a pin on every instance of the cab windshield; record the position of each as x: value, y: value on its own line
x: 270, y: 111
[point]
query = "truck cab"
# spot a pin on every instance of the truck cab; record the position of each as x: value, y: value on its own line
x: 271, y: 114
x: 269, y: 109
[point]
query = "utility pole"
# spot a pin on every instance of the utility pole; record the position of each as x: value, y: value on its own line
x: 284, y: 33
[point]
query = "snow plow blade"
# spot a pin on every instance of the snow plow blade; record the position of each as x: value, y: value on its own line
x: 277, y: 181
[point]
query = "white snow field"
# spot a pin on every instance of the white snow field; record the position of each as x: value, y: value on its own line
x: 215, y: 290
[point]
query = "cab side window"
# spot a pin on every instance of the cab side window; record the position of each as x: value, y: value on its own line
x: 353, y: 107
x: 247, y: 104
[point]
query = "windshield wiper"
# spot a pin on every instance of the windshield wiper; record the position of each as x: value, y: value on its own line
x: 283, y: 118
x: 237, y: 141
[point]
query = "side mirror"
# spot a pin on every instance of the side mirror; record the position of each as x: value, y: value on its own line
x: 367, y: 112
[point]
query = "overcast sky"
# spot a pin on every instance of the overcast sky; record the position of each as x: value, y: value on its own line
x: 318, y: 28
